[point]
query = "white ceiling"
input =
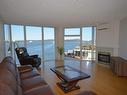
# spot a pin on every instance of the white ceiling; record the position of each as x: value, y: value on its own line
x: 62, y: 12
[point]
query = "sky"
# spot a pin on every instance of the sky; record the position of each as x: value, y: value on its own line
x: 86, y: 33
x: 34, y: 33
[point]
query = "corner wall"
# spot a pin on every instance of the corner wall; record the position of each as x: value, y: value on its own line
x: 123, y: 39
x: 107, y: 37
x: 2, y: 54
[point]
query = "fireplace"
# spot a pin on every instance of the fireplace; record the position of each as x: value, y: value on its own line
x: 104, y: 57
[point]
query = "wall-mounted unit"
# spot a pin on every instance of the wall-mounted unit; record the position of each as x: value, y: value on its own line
x: 103, y: 26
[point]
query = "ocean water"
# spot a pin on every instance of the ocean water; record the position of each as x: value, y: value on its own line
x: 35, y: 47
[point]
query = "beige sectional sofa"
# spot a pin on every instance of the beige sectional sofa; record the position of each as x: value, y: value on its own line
x: 21, y: 80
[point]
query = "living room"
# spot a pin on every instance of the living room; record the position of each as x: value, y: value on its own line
x: 107, y: 17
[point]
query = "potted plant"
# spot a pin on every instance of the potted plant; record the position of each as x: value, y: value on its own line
x: 60, y: 51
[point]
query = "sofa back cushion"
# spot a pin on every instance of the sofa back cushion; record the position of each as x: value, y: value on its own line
x: 9, y: 64
x: 8, y: 74
x: 5, y: 89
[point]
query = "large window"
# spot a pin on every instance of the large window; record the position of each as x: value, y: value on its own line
x: 49, y: 43
x: 37, y: 40
x: 17, y: 39
x: 7, y: 40
x: 79, y: 43
x: 88, y: 45
x: 17, y: 32
x: 72, y: 43
x: 72, y: 31
x: 34, y: 40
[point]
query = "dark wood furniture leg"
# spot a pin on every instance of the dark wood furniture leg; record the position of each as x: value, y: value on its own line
x: 67, y: 86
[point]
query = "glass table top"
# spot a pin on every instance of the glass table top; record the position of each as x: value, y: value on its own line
x: 69, y: 72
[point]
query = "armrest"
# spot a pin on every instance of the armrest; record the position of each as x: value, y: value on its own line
x: 30, y: 60
x: 25, y: 68
x: 35, y: 56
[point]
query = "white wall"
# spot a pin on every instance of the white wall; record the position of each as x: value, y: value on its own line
x: 123, y: 38
x: 108, y: 38
x: 1, y: 41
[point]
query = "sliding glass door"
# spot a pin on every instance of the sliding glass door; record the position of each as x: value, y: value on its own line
x: 34, y: 40
x: 79, y: 43
x: 87, y: 43
x: 49, y: 43
x: 37, y: 40
x: 72, y: 43
x: 7, y: 40
x: 17, y: 39
x: 17, y: 32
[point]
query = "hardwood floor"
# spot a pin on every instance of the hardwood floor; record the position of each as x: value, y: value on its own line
x: 102, y: 80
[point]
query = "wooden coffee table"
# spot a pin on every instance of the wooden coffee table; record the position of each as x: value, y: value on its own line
x: 69, y: 77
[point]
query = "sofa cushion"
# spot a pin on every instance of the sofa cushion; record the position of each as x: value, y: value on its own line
x: 29, y: 74
x: 25, y: 68
x: 5, y: 89
x: 41, y: 90
x: 32, y: 82
x: 7, y: 78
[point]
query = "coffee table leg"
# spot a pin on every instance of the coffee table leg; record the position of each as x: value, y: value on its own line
x: 66, y: 86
